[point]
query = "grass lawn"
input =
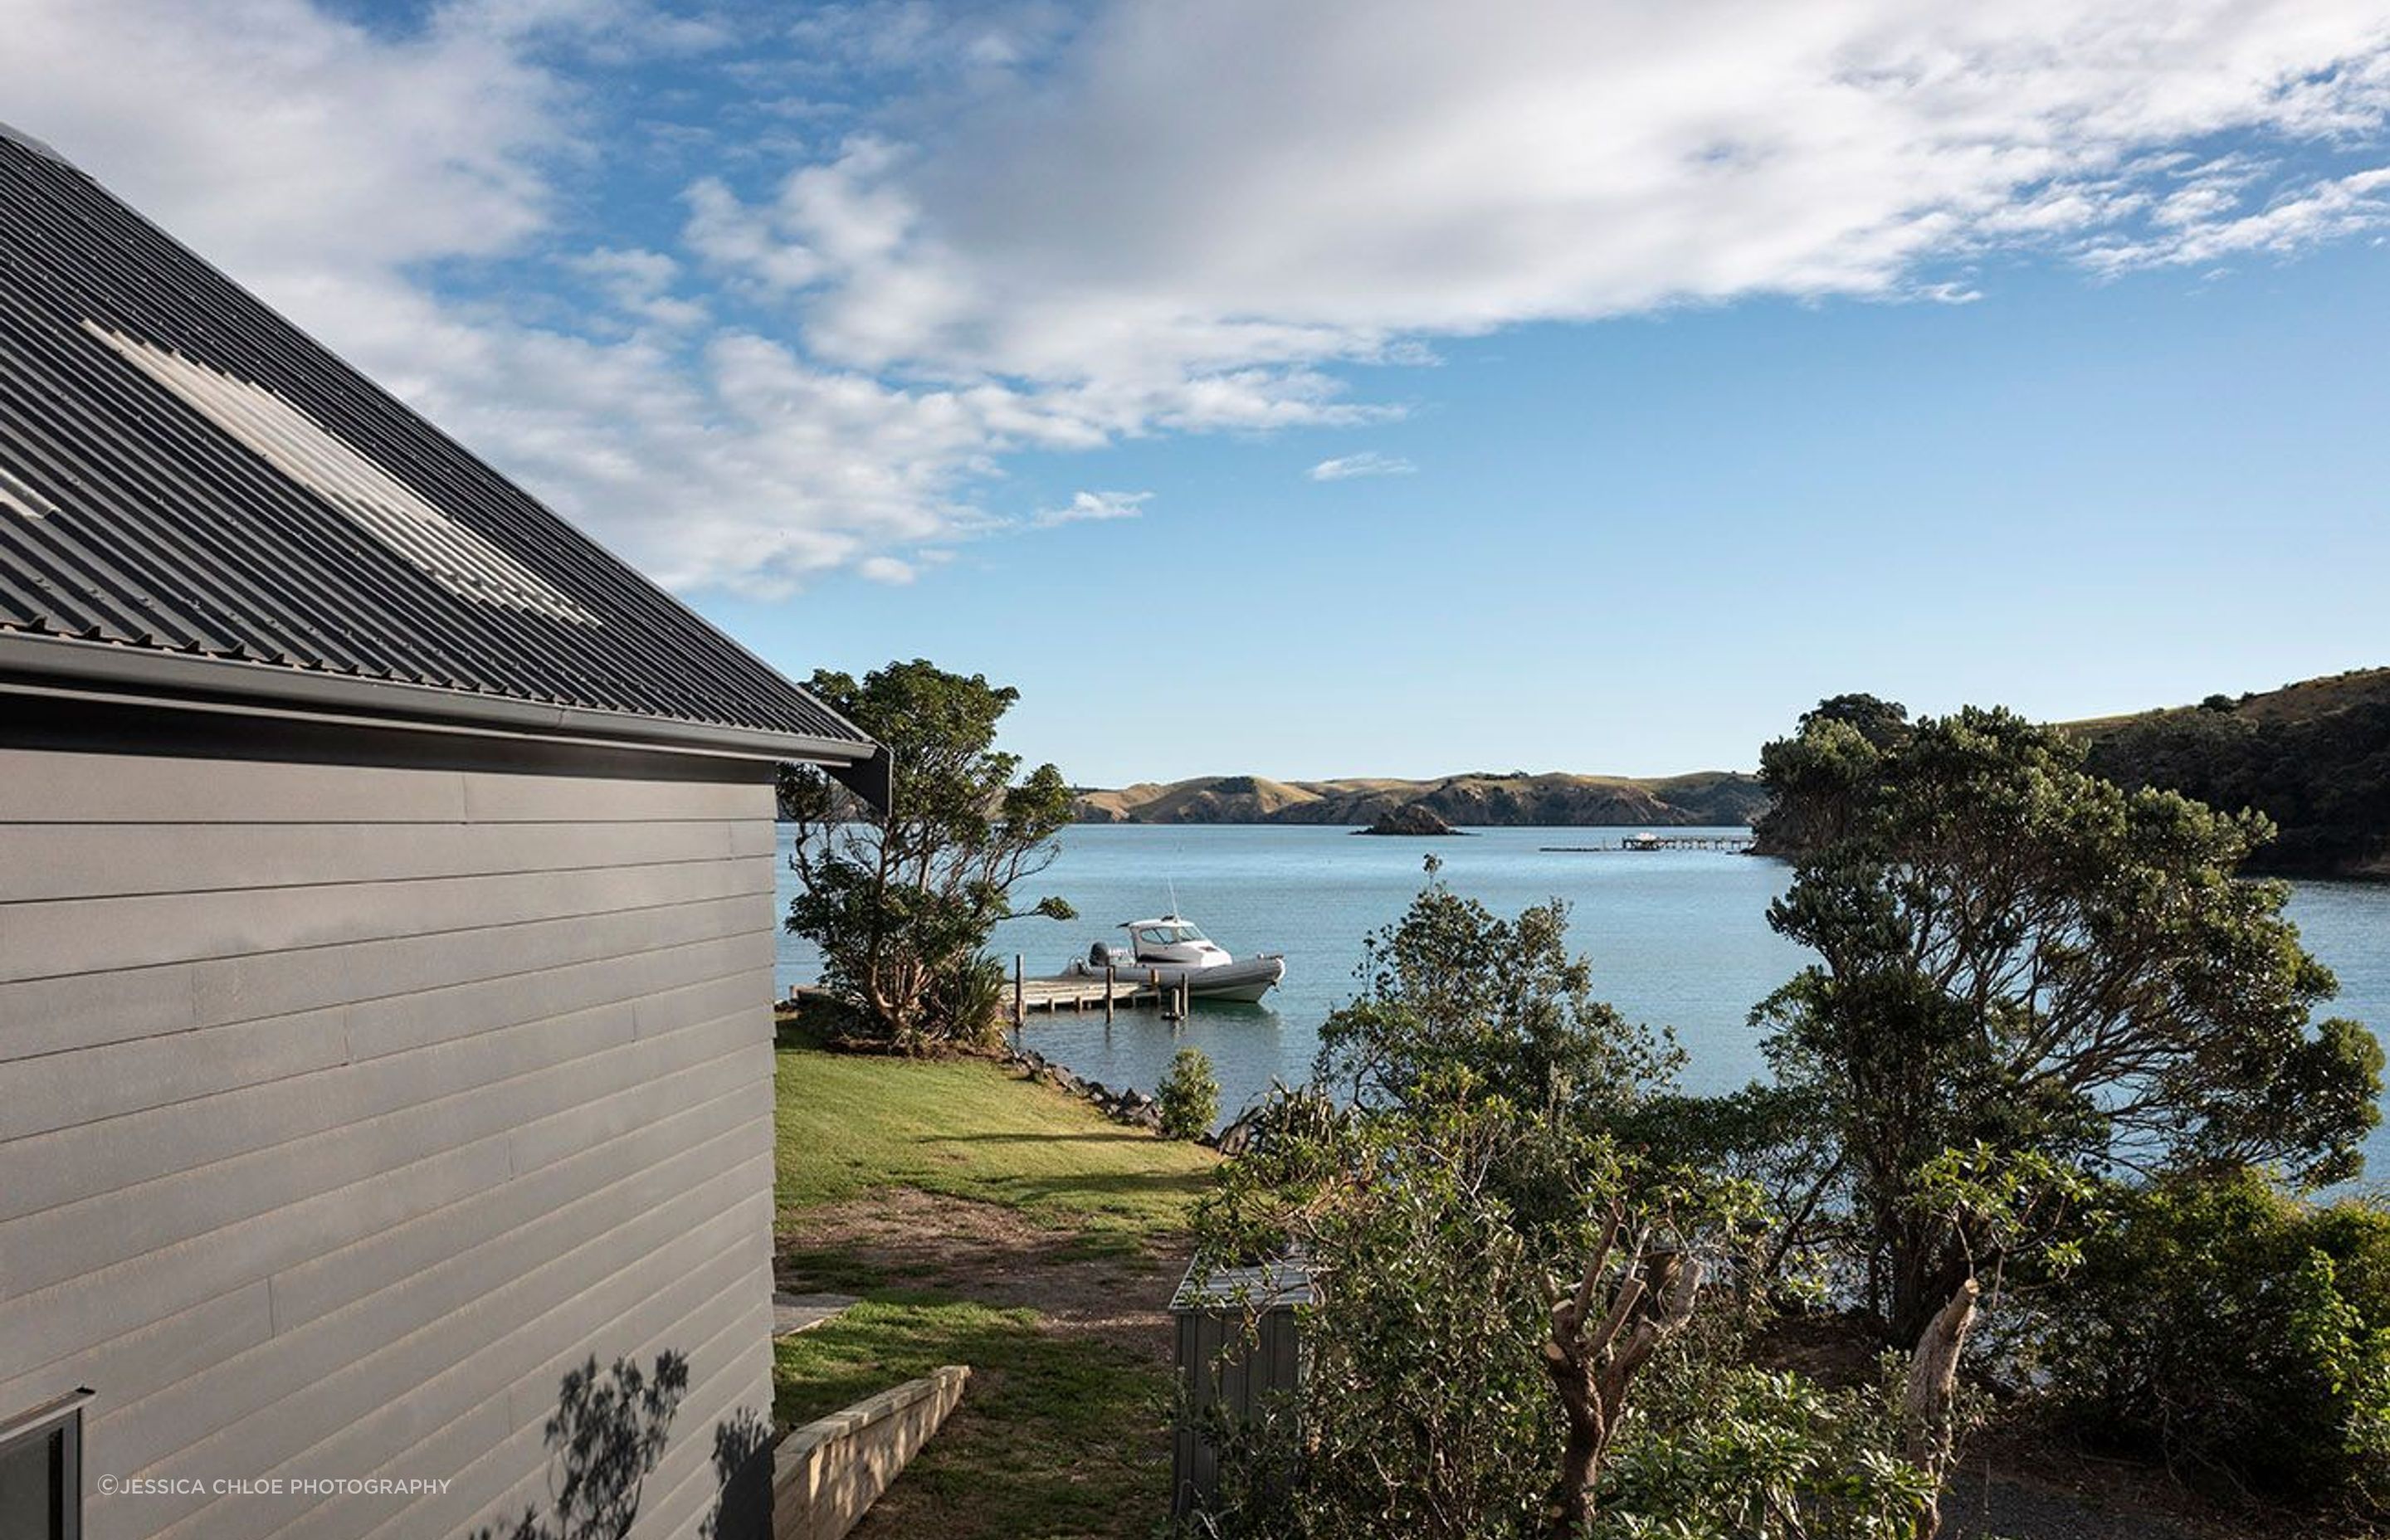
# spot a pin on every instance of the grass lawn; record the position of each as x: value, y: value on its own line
x: 1064, y: 1218
x: 1054, y: 1436
x: 849, y: 1123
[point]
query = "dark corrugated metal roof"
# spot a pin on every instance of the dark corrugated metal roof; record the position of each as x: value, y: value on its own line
x: 184, y: 472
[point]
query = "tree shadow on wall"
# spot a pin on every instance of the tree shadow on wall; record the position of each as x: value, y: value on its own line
x: 608, y: 1435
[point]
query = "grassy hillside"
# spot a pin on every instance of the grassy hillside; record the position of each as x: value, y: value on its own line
x: 2313, y: 756
x: 1482, y: 798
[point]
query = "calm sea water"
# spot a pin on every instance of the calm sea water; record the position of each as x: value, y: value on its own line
x: 1677, y: 938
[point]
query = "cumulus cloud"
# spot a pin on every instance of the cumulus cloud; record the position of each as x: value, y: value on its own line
x: 1370, y: 462
x: 1055, y: 227
x: 1087, y: 507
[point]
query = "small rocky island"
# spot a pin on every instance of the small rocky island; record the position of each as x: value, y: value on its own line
x: 1408, y: 818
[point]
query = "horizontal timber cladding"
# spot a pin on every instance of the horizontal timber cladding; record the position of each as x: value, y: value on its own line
x: 344, y: 1106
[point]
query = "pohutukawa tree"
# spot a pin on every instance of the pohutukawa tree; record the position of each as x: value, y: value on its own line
x: 902, y: 906
x: 2018, y: 954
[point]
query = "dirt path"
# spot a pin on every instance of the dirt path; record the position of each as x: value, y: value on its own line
x: 995, y: 1256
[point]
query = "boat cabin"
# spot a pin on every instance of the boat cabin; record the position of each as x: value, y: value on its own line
x: 1174, y: 941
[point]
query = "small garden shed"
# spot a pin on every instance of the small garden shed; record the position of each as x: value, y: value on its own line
x: 1239, y: 1344
x: 386, y: 935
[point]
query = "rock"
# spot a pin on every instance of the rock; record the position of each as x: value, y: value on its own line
x: 1410, y: 818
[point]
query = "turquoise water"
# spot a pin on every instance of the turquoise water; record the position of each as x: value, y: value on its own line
x: 1677, y: 938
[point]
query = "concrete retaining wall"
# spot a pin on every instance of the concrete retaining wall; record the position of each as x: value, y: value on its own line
x: 828, y: 1472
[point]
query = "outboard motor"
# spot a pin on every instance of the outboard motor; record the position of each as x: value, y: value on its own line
x: 1105, y: 952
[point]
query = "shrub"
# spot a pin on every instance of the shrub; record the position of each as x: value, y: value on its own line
x: 1722, y: 1449
x: 2235, y: 1330
x: 974, y: 998
x: 1427, y: 1405
x: 1189, y: 1095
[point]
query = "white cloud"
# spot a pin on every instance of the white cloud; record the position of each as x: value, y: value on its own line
x: 1370, y: 462
x: 2199, y: 226
x: 640, y: 283
x: 1078, y: 228
x: 1086, y: 506
x: 1349, y: 178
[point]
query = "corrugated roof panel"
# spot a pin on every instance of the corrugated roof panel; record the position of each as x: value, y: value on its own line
x: 182, y: 471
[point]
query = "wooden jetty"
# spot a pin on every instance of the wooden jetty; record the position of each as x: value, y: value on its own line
x: 1061, y: 992
x: 1079, y: 993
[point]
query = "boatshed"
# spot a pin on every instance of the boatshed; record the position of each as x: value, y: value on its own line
x: 386, y: 936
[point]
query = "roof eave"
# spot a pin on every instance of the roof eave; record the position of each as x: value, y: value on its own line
x: 112, y: 670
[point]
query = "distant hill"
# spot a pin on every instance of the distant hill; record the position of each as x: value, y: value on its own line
x: 1486, y: 797
x: 2313, y: 756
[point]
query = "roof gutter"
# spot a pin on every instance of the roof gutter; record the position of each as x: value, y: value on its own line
x: 106, y: 671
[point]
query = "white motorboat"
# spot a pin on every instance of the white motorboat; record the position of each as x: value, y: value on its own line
x: 1171, y: 950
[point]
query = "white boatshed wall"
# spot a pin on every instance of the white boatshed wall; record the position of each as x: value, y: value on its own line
x: 345, y: 1106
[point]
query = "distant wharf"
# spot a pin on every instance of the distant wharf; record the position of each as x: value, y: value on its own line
x: 1736, y: 843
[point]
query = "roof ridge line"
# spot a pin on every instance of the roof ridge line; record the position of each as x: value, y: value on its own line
x: 39, y: 146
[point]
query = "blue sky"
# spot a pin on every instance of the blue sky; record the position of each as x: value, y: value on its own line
x: 1354, y: 390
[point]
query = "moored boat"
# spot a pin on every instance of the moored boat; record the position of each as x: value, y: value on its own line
x: 1174, y: 950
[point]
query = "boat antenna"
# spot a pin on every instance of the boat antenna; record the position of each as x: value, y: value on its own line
x: 1173, y: 896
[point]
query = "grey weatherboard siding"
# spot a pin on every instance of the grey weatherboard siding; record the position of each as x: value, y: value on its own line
x: 344, y: 1106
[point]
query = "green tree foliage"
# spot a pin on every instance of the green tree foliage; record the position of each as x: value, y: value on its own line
x: 2239, y: 1333
x: 902, y: 906
x: 1428, y: 1407
x: 1500, y: 1263
x: 1728, y: 1450
x: 1424, y: 1408
x: 1777, y: 1141
x: 2018, y: 953
x: 1819, y: 774
x: 1451, y: 986
x: 1188, y: 1097
x: 1453, y: 995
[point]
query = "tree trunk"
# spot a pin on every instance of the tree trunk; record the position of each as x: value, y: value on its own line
x: 1572, y: 1499
x: 1925, y: 1272
x: 1926, y: 1405
x: 1593, y: 1372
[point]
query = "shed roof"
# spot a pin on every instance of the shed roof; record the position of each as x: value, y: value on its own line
x: 1281, y: 1283
x: 198, y: 501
